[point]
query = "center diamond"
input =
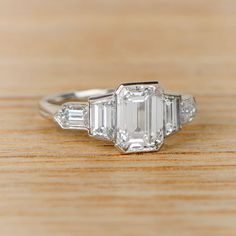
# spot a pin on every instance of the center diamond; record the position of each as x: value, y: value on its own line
x: 139, y: 117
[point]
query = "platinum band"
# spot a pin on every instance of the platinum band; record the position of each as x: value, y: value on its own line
x: 50, y: 105
x: 85, y: 110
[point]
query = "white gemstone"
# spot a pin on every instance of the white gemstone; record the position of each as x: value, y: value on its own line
x: 72, y: 116
x: 171, y: 111
x: 103, y: 117
x: 188, y: 109
x: 139, y: 117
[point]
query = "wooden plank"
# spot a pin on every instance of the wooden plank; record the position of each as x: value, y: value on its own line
x: 55, y: 182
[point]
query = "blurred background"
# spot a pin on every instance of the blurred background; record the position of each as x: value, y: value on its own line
x: 49, y: 46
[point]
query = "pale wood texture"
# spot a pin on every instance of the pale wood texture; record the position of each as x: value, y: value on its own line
x: 54, y: 182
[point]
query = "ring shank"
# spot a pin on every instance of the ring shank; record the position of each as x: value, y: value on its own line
x: 49, y: 105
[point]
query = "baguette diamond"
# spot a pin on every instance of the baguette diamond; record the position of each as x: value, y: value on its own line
x: 171, y: 113
x: 103, y: 117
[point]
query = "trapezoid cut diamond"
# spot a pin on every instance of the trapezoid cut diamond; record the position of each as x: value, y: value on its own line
x: 140, y: 117
x: 103, y: 117
x: 171, y: 114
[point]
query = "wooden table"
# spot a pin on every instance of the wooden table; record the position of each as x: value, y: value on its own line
x: 54, y: 182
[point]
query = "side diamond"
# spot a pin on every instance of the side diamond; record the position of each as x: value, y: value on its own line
x: 73, y: 116
x: 171, y: 113
x: 103, y: 117
x: 188, y: 109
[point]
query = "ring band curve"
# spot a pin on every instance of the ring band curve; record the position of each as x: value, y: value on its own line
x: 136, y: 117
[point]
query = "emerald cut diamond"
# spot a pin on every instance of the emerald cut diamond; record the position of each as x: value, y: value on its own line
x: 140, y: 121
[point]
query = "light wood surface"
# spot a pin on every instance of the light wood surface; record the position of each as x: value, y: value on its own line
x: 54, y: 182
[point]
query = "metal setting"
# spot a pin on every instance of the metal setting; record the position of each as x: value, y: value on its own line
x: 137, y: 117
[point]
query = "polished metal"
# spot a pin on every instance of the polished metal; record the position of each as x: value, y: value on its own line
x: 136, y: 117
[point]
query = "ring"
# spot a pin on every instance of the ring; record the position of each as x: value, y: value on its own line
x: 136, y: 117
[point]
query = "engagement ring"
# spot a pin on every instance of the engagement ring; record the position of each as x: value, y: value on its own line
x: 137, y: 117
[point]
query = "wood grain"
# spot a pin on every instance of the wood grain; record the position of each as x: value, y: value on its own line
x: 54, y: 182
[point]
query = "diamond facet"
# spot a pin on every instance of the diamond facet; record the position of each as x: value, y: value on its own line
x: 139, y: 117
x: 171, y: 111
x: 103, y: 117
x: 188, y: 109
x: 72, y: 116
